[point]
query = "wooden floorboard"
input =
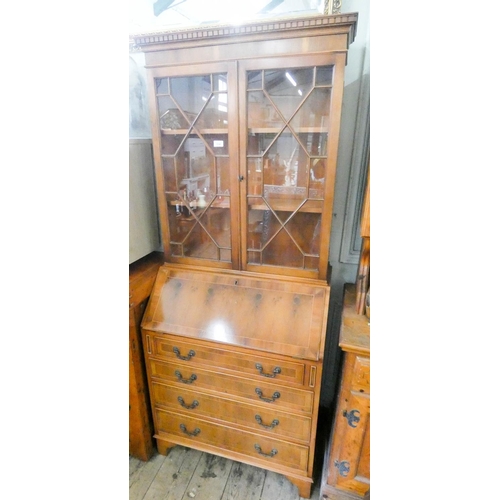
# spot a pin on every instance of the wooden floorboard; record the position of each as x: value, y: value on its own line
x: 142, y: 475
x: 174, y: 475
x: 278, y: 487
x: 186, y: 474
x: 209, y: 479
x: 244, y: 483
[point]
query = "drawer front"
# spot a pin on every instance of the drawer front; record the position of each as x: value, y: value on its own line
x: 260, y: 366
x: 254, y: 446
x: 361, y: 375
x: 256, y: 391
x: 269, y: 421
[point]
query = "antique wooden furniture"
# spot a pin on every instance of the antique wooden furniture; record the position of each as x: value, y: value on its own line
x: 245, y: 124
x: 347, y: 461
x: 142, y: 275
x: 235, y: 363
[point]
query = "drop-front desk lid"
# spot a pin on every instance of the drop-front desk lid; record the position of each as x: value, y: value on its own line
x: 276, y: 315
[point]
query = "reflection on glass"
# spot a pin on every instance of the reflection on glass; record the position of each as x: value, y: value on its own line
x: 214, y: 114
x: 254, y: 79
x: 288, y: 88
x: 192, y: 114
x: 287, y: 130
x: 324, y: 75
x: 314, y: 111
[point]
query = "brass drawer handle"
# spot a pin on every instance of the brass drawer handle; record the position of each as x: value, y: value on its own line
x: 275, y: 396
x: 260, y: 452
x: 274, y: 423
x: 192, y: 434
x: 194, y: 404
x: 177, y: 352
x: 276, y: 371
x: 189, y: 380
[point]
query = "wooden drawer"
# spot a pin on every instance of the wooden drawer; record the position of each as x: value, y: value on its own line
x: 248, y: 444
x: 259, y: 392
x: 361, y: 375
x: 260, y: 366
x: 272, y: 422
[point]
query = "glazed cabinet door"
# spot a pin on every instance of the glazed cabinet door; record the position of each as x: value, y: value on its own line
x: 289, y: 141
x: 195, y: 153
x: 245, y: 153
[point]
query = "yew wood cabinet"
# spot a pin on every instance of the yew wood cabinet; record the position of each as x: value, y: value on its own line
x: 245, y: 128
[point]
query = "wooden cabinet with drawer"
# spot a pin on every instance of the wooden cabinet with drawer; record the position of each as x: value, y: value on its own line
x: 347, y: 464
x: 221, y: 382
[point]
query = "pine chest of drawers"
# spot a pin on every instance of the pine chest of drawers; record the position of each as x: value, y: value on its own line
x: 234, y: 365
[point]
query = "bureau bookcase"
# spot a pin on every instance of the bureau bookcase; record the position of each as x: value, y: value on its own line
x: 245, y: 125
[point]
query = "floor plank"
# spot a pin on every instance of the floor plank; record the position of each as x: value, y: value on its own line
x: 277, y: 487
x: 209, y: 478
x: 142, y: 475
x: 133, y: 464
x: 174, y: 475
x: 244, y: 483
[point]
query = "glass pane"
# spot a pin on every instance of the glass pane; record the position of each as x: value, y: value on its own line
x: 195, y: 159
x: 217, y: 143
x: 314, y: 111
x: 219, y: 82
x: 311, y: 263
x: 191, y: 93
x: 214, y: 114
x: 324, y: 75
x: 199, y: 163
x: 282, y: 251
x: 314, y: 143
x: 255, y: 258
x: 199, y: 244
x: 225, y: 254
x: 170, y: 143
x: 317, y: 178
x: 171, y: 170
x: 255, y: 176
x: 255, y: 229
x: 216, y: 222
x: 181, y: 222
x: 262, y: 112
x: 162, y: 86
x: 287, y: 88
x: 254, y: 80
x: 259, y: 143
x: 281, y: 159
x: 304, y: 228
x: 286, y: 162
x: 171, y: 118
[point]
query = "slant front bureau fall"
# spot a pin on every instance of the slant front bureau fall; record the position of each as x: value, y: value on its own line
x: 234, y: 365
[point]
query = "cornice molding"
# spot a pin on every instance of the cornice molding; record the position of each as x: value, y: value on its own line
x: 271, y: 26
